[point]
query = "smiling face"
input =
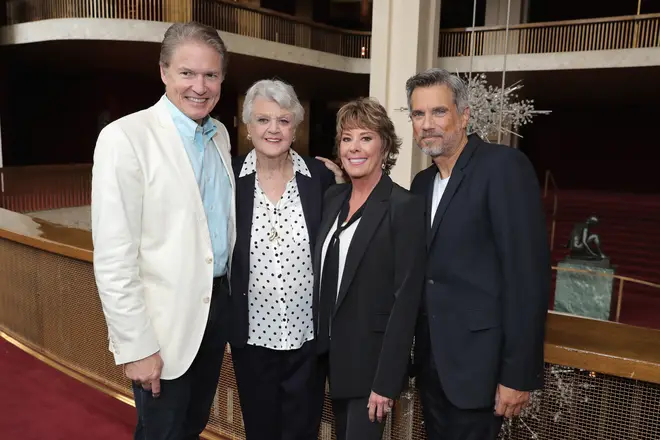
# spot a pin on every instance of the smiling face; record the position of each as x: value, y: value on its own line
x: 271, y: 127
x: 361, y: 153
x: 438, y: 127
x: 193, y: 79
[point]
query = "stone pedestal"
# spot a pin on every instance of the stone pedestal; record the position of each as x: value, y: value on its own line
x: 584, y: 288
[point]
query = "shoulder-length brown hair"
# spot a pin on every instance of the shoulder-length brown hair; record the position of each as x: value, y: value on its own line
x: 367, y: 113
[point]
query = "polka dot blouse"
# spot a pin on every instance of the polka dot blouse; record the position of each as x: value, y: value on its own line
x: 281, y: 277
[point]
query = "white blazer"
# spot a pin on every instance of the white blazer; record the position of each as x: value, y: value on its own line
x: 153, y: 259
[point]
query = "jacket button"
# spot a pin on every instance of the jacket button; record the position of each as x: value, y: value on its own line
x: 209, y: 260
x: 431, y: 282
x: 244, y: 293
x: 207, y: 300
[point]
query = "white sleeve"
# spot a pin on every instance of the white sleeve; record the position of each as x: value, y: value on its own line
x: 117, y: 191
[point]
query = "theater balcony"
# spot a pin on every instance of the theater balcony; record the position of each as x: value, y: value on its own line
x: 249, y: 31
x: 611, y: 42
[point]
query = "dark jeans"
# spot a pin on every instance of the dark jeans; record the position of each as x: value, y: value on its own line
x: 281, y: 392
x: 182, y: 410
x: 443, y: 420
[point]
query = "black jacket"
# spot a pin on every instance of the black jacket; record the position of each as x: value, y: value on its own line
x: 380, y: 292
x: 488, y: 275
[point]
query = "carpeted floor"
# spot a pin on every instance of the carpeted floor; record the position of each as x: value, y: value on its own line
x: 37, y: 402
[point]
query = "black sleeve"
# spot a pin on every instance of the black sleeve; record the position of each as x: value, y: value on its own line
x: 520, y: 234
x: 409, y: 249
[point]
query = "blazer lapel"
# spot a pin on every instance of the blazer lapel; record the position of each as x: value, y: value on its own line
x: 377, y: 206
x: 452, y: 186
x: 178, y: 155
x: 225, y: 154
x: 455, y: 181
x: 245, y: 198
x: 427, y: 184
x: 330, y: 212
x: 311, y: 206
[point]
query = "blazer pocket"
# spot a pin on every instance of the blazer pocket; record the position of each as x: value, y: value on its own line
x: 483, y: 320
x: 379, y: 322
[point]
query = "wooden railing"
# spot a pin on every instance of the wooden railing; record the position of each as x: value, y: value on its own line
x: 223, y: 15
x: 281, y: 28
x: 627, y: 32
x: 49, y: 306
x: 38, y: 188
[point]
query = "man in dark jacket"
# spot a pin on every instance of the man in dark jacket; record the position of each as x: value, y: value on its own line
x: 479, y: 343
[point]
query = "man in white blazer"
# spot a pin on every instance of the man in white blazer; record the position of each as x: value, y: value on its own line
x: 163, y: 229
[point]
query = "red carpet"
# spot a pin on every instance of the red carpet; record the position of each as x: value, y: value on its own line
x: 37, y: 402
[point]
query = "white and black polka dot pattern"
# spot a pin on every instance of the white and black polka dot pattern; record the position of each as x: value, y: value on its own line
x: 281, y: 277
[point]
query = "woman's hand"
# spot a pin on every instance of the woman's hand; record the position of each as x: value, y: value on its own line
x: 339, y: 174
x: 378, y: 407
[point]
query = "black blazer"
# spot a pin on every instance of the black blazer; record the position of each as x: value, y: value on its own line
x: 311, y: 192
x: 380, y: 292
x: 487, y: 275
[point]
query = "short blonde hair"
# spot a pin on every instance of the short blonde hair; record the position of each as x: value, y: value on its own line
x: 367, y: 113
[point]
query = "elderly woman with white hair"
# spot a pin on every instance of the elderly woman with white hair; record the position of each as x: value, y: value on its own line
x: 279, y: 196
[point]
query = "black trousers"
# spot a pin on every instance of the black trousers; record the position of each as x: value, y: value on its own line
x: 352, y: 420
x: 443, y: 420
x: 281, y: 392
x: 181, y: 412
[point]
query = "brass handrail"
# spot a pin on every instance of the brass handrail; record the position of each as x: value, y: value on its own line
x: 223, y: 15
x: 623, y: 32
x: 622, y: 279
x: 293, y: 18
x: 556, y: 23
x: 550, y: 178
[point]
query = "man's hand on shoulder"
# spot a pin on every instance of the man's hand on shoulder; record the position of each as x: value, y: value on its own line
x: 509, y: 402
x: 334, y: 168
x: 146, y: 372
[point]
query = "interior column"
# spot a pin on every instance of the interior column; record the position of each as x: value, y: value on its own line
x: 404, y: 41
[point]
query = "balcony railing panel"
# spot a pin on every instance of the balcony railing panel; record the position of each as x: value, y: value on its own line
x: 629, y: 32
x: 223, y: 15
x: 595, y: 387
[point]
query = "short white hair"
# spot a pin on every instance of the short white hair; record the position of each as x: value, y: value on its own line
x: 276, y: 91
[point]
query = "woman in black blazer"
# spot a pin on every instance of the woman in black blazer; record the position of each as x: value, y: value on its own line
x: 369, y: 266
x: 279, y: 198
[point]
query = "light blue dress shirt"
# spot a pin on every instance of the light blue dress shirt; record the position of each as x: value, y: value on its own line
x: 212, y: 179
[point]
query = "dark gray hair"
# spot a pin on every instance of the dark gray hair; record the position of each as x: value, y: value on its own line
x: 180, y: 33
x: 436, y: 77
x: 276, y: 91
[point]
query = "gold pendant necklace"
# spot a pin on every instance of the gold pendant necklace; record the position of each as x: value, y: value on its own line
x: 273, y: 235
